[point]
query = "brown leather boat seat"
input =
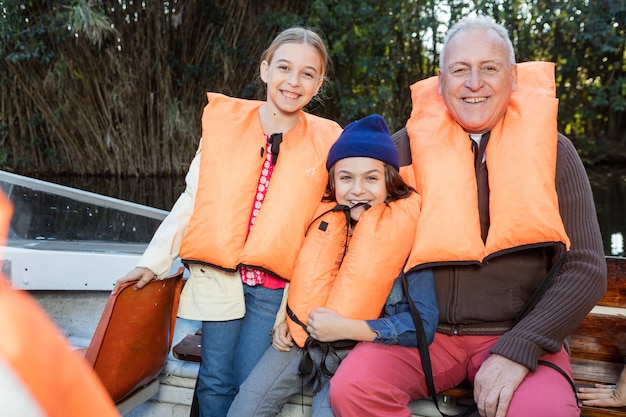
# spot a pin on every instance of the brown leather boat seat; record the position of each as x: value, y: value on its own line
x: 131, y: 343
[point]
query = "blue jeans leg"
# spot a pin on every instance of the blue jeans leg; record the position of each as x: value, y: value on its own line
x: 230, y: 349
x: 273, y: 380
x: 262, y: 305
x: 216, y: 377
x: 320, y: 407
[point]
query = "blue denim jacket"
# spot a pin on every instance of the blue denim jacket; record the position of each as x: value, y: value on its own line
x: 396, y: 326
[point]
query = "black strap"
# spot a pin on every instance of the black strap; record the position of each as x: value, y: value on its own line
x: 423, y: 343
x: 422, y: 347
x: 295, y: 318
x: 314, y: 371
x: 308, y: 368
x: 542, y: 288
x: 559, y: 370
x: 275, y: 140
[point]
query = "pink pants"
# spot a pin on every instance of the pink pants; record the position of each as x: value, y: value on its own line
x: 379, y: 381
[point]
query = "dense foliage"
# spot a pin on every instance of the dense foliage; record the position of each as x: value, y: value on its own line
x: 117, y: 86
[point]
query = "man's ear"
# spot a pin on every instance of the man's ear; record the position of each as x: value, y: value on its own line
x: 439, y: 78
x: 514, y: 77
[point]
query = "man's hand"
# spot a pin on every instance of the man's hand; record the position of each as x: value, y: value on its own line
x: 494, y: 385
x: 281, y: 337
x: 141, y: 275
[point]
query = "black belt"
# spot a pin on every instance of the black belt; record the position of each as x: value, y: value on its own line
x: 485, y: 329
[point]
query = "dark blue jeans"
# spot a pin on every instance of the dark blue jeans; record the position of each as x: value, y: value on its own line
x: 230, y: 349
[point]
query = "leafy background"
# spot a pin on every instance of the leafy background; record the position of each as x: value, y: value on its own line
x: 117, y: 87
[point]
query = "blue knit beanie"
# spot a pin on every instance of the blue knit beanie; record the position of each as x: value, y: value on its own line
x: 368, y: 137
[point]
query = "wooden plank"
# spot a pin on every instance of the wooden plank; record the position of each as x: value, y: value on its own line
x: 602, y: 411
x: 615, y: 295
x: 138, y: 397
x: 458, y: 392
x: 600, y: 337
x: 189, y: 349
x: 587, y: 371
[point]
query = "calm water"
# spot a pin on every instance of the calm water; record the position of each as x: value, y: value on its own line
x: 608, y: 184
x: 609, y: 191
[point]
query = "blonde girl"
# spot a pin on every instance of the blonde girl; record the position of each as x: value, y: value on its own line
x: 251, y: 192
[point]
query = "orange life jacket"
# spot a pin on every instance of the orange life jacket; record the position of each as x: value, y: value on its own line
x: 58, y: 379
x: 233, y: 145
x: 355, y: 285
x: 521, y: 161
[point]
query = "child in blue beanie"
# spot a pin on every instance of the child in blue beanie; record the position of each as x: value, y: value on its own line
x: 373, y: 214
x: 366, y: 138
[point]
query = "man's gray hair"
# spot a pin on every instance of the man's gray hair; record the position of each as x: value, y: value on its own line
x: 478, y: 22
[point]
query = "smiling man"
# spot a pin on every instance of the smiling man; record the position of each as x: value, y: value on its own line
x: 477, y: 79
x: 506, y: 206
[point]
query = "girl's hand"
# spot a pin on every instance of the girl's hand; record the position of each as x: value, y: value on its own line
x: 602, y: 396
x: 327, y: 325
x: 141, y: 275
x: 281, y: 338
x: 605, y: 395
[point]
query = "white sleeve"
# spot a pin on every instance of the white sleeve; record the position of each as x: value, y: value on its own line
x: 164, y: 247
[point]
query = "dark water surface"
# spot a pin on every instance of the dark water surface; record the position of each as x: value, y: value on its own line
x: 609, y: 193
x: 608, y: 184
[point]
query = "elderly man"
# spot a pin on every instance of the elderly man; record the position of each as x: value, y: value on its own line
x: 509, y: 225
